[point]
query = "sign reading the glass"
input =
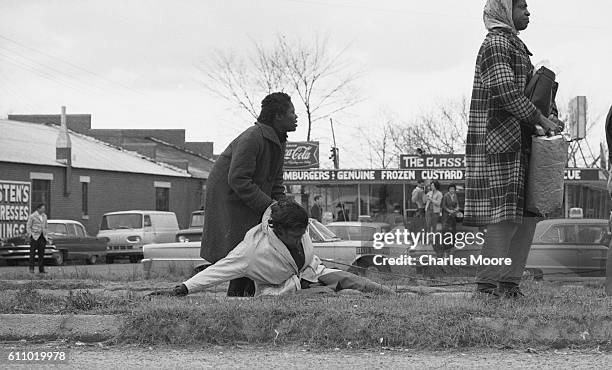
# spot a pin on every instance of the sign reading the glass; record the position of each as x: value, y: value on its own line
x: 14, y: 207
x: 433, y: 161
x: 302, y: 154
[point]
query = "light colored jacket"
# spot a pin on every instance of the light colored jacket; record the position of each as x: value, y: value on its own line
x: 435, y: 202
x: 262, y: 257
x: 418, y: 197
x: 37, y: 225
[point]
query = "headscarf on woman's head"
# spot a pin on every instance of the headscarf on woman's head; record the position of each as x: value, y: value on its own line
x: 498, y: 14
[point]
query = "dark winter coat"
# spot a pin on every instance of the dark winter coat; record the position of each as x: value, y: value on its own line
x: 244, y: 181
x: 497, y: 148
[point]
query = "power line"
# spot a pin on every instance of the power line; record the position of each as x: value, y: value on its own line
x: 42, y: 74
x: 53, y: 71
x: 72, y: 65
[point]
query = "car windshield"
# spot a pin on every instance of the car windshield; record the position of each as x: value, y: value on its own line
x: 122, y: 221
x: 346, y: 232
x: 197, y: 220
x: 326, y: 233
x: 57, y: 229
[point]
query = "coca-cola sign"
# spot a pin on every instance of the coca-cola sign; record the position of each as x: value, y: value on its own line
x: 302, y: 154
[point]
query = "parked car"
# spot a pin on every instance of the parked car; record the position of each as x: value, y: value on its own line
x: 73, y: 242
x: 570, y: 245
x: 17, y: 249
x: 349, y: 245
x: 194, y: 232
x: 327, y: 245
x: 128, y: 231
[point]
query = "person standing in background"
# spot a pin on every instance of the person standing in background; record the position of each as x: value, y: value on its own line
x: 432, y: 207
x: 450, y: 207
x: 419, y: 198
x: 36, y: 229
x: 245, y: 180
x: 316, y: 211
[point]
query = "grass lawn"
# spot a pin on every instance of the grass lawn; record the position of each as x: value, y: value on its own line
x: 553, y: 315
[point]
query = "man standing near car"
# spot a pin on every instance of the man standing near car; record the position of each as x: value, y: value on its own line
x: 245, y: 180
x: 419, y: 198
x: 316, y: 211
x: 36, y: 229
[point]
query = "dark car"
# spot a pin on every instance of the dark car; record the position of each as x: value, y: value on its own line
x: 17, y: 249
x: 71, y: 239
x: 569, y: 246
x: 194, y: 232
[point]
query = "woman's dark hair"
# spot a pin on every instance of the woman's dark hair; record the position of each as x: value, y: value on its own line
x: 317, y: 197
x: 39, y: 206
x: 288, y: 215
x: 436, y: 184
x: 273, y: 104
x: 452, y: 185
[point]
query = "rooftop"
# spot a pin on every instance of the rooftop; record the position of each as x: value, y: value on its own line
x: 32, y: 143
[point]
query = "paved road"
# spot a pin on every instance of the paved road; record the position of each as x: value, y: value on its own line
x: 249, y: 357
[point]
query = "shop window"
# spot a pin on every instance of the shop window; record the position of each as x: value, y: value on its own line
x: 41, y: 193
x: 162, y: 199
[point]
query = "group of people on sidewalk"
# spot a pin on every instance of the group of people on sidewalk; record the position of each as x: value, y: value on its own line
x: 432, y: 204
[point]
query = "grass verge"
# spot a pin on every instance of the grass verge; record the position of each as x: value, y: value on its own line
x: 553, y: 318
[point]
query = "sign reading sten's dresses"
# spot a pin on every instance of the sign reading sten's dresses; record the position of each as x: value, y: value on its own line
x: 14, y: 207
x: 302, y: 154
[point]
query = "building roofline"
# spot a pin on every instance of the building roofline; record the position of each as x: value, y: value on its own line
x: 179, y: 148
x: 129, y: 152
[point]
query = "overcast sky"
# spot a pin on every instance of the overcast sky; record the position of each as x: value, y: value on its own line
x: 134, y: 64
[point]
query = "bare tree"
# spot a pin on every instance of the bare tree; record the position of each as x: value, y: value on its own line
x: 382, y: 151
x: 442, y: 130
x: 321, y: 79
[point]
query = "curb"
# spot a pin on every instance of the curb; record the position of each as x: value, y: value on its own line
x: 87, y: 328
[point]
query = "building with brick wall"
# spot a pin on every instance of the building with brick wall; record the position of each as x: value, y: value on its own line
x: 79, y: 177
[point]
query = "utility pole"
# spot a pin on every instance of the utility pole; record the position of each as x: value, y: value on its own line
x: 335, y: 155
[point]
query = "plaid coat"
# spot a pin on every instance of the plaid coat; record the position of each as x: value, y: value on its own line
x: 501, y: 122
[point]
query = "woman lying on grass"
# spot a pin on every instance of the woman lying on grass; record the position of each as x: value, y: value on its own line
x: 278, y: 255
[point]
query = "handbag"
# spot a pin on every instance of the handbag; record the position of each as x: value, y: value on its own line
x: 542, y: 89
x: 545, y: 177
x: 545, y: 183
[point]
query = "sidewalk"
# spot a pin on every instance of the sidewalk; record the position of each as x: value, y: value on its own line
x: 89, y: 328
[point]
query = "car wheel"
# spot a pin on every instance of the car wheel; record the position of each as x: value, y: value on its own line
x: 58, y: 259
x: 92, y: 260
x: 110, y: 260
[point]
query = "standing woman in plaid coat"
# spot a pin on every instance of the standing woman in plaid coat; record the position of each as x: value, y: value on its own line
x: 501, y: 123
